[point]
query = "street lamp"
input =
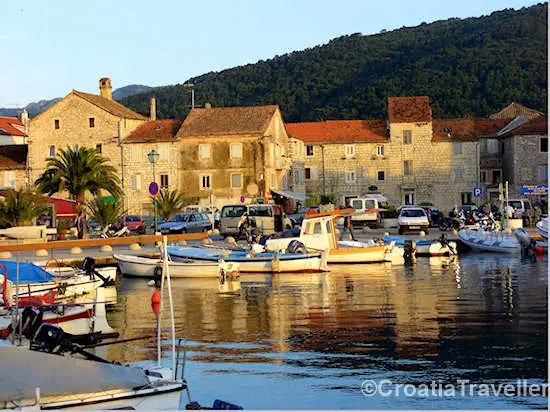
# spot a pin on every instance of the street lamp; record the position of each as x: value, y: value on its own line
x: 153, y: 157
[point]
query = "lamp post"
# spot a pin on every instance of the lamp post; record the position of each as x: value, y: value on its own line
x: 153, y: 157
x: 323, y: 166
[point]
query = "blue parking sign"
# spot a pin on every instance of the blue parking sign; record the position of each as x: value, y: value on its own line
x: 477, y: 192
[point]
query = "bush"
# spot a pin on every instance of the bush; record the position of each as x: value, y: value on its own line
x: 390, y: 213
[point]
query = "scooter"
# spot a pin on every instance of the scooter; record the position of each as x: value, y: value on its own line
x: 110, y: 231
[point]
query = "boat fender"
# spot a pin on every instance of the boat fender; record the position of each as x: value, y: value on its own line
x: 155, y: 297
x: 157, y: 276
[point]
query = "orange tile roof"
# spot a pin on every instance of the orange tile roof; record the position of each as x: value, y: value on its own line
x: 537, y: 126
x: 339, y: 131
x: 514, y: 110
x: 154, y: 131
x: 227, y: 120
x: 465, y: 129
x: 8, y: 126
x: 409, y: 109
x: 110, y: 106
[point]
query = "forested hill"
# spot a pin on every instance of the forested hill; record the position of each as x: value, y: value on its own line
x: 469, y: 67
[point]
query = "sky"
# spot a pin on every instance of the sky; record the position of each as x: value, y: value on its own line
x: 51, y: 47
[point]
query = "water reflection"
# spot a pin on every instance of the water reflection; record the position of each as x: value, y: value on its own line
x: 479, y: 317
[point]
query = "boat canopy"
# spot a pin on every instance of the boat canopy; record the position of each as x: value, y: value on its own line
x: 28, y: 273
x: 23, y: 370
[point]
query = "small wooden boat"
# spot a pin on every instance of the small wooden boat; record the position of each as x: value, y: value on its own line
x: 269, y: 262
x: 484, y: 241
x: 425, y: 247
x: 145, y: 267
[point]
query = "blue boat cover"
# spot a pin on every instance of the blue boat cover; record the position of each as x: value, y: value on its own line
x: 400, y: 240
x: 28, y: 273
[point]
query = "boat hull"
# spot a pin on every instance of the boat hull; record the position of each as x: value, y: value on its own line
x: 490, y: 241
x: 143, y: 267
x: 424, y: 247
x: 373, y: 254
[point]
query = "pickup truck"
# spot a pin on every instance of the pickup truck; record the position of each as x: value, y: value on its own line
x: 368, y: 211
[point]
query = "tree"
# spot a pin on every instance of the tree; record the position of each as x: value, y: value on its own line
x: 19, y: 208
x: 77, y: 171
x: 105, y: 212
x: 168, y: 203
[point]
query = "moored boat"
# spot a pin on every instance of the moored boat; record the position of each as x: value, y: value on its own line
x: 485, y: 241
x: 145, y: 267
x: 269, y: 262
x: 542, y: 227
x: 425, y: 247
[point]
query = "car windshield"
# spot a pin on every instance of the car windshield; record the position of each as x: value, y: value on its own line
x: 516, y: 204
x: 233, y: 211
x: 179, y: 217
x: 261, y: 211
x: 413, y: 213
x: 132, y: 218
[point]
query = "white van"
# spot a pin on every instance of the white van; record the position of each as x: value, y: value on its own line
x: 268, y: 218
x: 368, y: 210
x: 520, y: 206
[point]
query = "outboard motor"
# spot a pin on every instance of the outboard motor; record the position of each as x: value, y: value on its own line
x: 47, y: 338
x: 409, y: 252
x: 31, y: 319
x: 88, y: 266
x: 296, y: 247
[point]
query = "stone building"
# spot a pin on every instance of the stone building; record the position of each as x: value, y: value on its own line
x: 13, y: 130
x: 410, y: 158
x: 13, y: 166
x: 217, y: 155
x: 81, y: 119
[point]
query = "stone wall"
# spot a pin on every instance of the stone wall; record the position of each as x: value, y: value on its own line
x: 519, y: 171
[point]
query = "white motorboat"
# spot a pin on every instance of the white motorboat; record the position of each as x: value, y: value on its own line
x: 481, y: 240
x: 425, y: 247
x: 145, y: 267
x: 542, y: 227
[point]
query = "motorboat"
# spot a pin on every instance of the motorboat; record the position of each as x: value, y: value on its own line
x: 137, y: 266
x: 542, y: 227
x: 490, y: 241
x: 318, y: 232
x: 425, y: 247
x: 251, y: 261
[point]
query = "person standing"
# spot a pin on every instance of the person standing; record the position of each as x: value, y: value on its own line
x: 217, y: 219
x: 80, y: 224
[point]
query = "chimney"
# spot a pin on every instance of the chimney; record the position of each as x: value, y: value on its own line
x: 207, y: 106
x: 25, y: 120
x: 153, y: 109
x: 105, y: 88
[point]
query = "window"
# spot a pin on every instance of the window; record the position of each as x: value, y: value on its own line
x: 56, y: 123
x: 136, y: 182
x: 409, y: 198
x: 164, y: 181
x: 91, y: 122
x: 381, y: 176
x: 309, y: 150
x: 495, y: 176
x: 205, y: 182
x: 350, y: 176
x: 483, y: 176
x: 458, y: 147
x: 98, y: 148
x: 492, y: 146
x: 204, y: 151
x: 543, y: 174
x: 380, y: 150
x: 52, y: 151
x: 408, y: 167
x: 459, y: 174
x: 75, y: 148
x: 407, y: 136
x: 544, y: 144
x: 349, y: 150
x: 236, y: 180
x: 466, y: 198
x: 236, y: 150
x: 307, y: 172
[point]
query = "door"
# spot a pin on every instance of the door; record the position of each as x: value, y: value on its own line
x: 409, y: 198
x: 193, y: 224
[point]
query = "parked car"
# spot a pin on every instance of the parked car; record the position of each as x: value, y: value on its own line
x: 520, y: 206
x: 200, y: 209
x: 413, y: 218
x: 434, y: 215
x: 186, y: 223
x: 135, y: 224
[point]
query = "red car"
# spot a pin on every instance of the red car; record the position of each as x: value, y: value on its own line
x: 135, y: 224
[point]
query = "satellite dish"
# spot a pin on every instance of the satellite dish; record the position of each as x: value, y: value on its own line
x: 252, y: 189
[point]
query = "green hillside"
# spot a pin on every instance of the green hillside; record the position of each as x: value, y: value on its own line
x: 469, y: 67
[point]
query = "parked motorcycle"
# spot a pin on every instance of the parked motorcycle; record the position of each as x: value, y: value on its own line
x: 111, y: 231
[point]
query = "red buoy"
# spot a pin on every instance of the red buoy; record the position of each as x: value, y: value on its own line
x: 155, y: 307
x: 539, y: 250
x: 155, y: 298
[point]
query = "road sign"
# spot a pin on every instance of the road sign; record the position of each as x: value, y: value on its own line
x: 153, y: 188
x: 242, y: 199
x: 478, y: 191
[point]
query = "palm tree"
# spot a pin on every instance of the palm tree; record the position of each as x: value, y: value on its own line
x: 77, y: 171
x: 168, y: 203
x: 105, y: 212
x: 20, y: 208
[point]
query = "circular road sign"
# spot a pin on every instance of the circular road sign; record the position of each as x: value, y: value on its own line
x: 153, y: 188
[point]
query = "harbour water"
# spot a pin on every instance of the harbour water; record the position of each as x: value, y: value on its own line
x: 310, y: 341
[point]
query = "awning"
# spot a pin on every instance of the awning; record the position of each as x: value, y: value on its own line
x: 291, y: 195
x: 377, y: 196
